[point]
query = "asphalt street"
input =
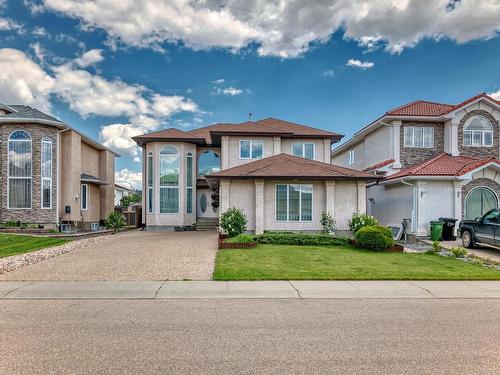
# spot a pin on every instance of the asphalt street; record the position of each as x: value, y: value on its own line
x: 250, y: 336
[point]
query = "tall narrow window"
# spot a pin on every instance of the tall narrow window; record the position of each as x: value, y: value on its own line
x: 46, y: 172
x: 169, y: 180
x: 351, y: 157
x: 84, y: 196
x: 19, y: 170
x: 150, y: 181
x: 303, y: 150
x: 189, y: 183
x: 293, y: 202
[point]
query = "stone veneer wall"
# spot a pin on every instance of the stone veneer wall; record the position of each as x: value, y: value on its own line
x: 479, y: 152
x: 36, y: 214
x: 410, y: 155
x: 486, y: 182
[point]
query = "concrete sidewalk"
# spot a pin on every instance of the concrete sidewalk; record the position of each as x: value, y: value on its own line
x: 249, y: 289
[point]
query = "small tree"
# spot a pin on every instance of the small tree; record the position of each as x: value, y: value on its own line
x: 328, y: 223
x: 233, y: 221
x: 127, y: 200
x: 359, y: 221
x: 115, y: 221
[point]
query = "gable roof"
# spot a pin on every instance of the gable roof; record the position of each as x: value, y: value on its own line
x: 288, y: 166
x: 211, y: 134
x: 379, y: 165
x: 444, y: 165
x: 20, y: 113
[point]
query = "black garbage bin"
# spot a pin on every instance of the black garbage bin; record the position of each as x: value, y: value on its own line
x: 448, y: 228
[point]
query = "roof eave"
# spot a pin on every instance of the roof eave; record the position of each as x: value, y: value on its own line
x: 19, y: 120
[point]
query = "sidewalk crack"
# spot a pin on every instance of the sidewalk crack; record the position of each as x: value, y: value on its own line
x: 421, y: 287
x: 293, y: 286
x: 13, y: 290
x: 158, y: 290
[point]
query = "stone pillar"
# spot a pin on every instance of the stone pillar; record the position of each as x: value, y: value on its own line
x: 330, y: 197
x: 224, y: 196
x: 421, y: 224
x: 224, y: 152
x: 454, y: 137
x: 396, y: 143
x: 361, y: 197
x: 327, y: 151
x: 259, y: 206
x: 276, y: 145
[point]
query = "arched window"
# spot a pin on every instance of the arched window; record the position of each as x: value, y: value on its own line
x: 479, y: 201
x: 46, y: 172
x: 150, y: 181
x: 478, y: 132
x: 19, y: 170
x: 209, y: 162
x: 189, y: 183
x: 169, y: 180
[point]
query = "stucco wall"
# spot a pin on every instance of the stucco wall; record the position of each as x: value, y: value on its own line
x: 390, y: 204
x: 233, y: 155
x: 93, y: 213
x: 438, y: 200
x: 377, y: 147
x: 90, y: 158
x: 319, y: 147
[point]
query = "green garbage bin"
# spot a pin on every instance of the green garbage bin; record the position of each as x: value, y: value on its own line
x: 436, y: 230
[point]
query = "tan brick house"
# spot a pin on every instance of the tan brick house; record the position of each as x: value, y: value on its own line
x: 50, y: 173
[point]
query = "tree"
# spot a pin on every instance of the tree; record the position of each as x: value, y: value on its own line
x: 127, y: 200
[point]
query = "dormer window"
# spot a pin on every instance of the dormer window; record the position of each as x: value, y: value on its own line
x: 251, y: 149
x: 478, y: 132
x: 303, y: 150
x: 419, y: 137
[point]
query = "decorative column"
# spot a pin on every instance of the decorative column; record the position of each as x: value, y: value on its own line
x: 224, y: 151
x: 224, y: 196
x: 361, y: 197
x: 454, y: 137
x: 327, y: 151
x: 421, y: 225
x: 259, y: 206
x: 276, y: 145
x: 330, y: 197
x: 396, y: 143
x: 457, y: 200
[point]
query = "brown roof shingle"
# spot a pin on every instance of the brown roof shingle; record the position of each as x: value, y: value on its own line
x: 289, y: 166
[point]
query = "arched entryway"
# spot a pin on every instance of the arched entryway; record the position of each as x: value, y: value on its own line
x: 478, y: 201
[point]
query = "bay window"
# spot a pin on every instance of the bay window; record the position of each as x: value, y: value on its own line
x: 418, y: 137
x: 251, y: 149
x: 19, y: 160
x: 293, y: 202
x: 169, y: 180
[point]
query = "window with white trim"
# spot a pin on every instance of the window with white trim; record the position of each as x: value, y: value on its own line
x: 189, y: 183
x: 251, y: 149
x: 150, y: 181
x: 169, y: 180
x: 46, y: 172
x: 294, y: 202
x: 350, y: 157
x: 19, y: 171
x: 478, y: 132
x: 84, y: 196
x: 418, y: 137
x: 304, y: 150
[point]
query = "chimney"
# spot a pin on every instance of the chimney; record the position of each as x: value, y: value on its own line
x: 250, y: 117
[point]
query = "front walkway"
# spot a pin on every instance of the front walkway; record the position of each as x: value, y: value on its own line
x: 130, y: 256
x: 250, y: 289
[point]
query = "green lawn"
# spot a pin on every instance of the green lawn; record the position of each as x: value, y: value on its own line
x: 12, y: 244
x: 276, y: 262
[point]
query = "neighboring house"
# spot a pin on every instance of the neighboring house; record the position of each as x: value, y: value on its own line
x: 120, y: 192
x: 278, y: 172
x: 438, y: 160
x: 50, y: 173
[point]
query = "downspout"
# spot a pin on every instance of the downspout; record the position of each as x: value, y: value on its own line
x: 414, y: 207
x: 58, y: 171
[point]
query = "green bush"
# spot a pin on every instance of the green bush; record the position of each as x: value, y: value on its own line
x: 328, y: 223
x: 436, y: 246
x: 241, y: 238
x: 115, y: 221
x: 127, y: 200
x: 458, y: 252
x: 359, y: 221
x: 302, y: 239
x: 374, y: 237
x: 233, y: 221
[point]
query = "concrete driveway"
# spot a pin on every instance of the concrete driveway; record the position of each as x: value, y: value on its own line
x: 130, y: 256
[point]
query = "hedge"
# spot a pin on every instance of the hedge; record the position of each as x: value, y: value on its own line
x: 374, y: 237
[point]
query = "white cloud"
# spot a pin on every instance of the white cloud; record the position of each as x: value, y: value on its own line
x: 495, y: 95
x: 229, y: 91
x: 90, y: 57
x: 40, y: 32
x: 7, y: 24
x: 284, y: 28
x: 129, y: 178
x: 328, y: 73
x: 360, y: 64
x: 24, y: 81
x: 218, y: 81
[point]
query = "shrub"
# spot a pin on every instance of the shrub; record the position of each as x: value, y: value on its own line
x: 458, y: 252
x: 374, y: 237
x: 115, y: 221
x: 436, y: 246
x: 328, y: 223
x: 127, y: 200
x: 241, y: 238
x: 359, y: 221
x: 233, y: 222
x: 302, y: 239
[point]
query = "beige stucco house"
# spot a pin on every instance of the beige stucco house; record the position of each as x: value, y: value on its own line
x: 52, y: 174
x: 278, y: 172
x: 436, y: 160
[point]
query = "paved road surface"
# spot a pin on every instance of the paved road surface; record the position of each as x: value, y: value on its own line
x: 229, y: 336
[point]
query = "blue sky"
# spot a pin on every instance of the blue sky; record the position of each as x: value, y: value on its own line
x: 128, y: 68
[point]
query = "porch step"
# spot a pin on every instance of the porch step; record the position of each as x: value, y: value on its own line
x: 205, y: 224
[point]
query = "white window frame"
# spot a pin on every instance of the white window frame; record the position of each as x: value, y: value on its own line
x: 171, y: 186
x: 251, y: 149
x: 473, y: 132
x: 351, y: 157
x: 303, y: 155
x: 288, y: 204
x: 189, y: 188
x: 9, y: 177
x: 410, y: 141
x: 86, y: 197
x: 49, y: 141
x: 150, y: 194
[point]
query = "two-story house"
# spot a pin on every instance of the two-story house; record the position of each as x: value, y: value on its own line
x: 279, y: 173
x: 437, y: 160
x: 50, y: 173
